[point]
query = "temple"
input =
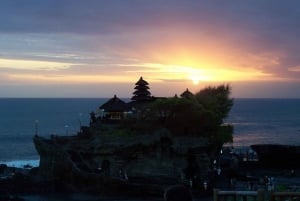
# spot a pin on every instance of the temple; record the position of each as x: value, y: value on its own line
x: 116, y: 109
x: 187, y: 94
x: 141, y: 92
x: 135, y: 147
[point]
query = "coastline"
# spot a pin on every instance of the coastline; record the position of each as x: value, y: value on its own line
x: 282, y: 176
x: 249, y: 117
x: 249, y: 176
x: 21, y: 163
x: 238, y: 150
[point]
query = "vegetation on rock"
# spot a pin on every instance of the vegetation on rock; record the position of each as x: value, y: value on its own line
x: 199, y: 115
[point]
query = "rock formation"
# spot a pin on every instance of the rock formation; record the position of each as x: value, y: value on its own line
x: 98, y: 161
x: 143, y: 146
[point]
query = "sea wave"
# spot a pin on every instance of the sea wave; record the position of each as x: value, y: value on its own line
x: 21, y: 163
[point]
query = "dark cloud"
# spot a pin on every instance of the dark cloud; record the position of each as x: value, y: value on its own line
x: 77, y: 16
x: 272, y: 22
x: 106, y: 16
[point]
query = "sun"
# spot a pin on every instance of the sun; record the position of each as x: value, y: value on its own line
x: 195, y: 79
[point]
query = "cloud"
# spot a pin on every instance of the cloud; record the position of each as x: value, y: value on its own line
x: 97, y: 41
x: 74, y: 15
x: 93, y: 16
x: 32, y: 65
x: 294, y: 69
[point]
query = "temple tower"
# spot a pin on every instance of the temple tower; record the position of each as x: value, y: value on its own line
x: 141, y: 91
x: 187, y: 94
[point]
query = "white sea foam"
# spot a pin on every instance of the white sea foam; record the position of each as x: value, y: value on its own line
x: 21, y: 163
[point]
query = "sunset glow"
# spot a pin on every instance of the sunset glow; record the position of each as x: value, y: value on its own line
x: 172, y: 44
x: 31, y: 65
x: 79, y: 79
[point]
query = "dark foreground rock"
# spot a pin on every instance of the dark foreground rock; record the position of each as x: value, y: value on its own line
x: 145, y: 164
x: 11, y: 198
x: 278, y: 156
x: 178, y: 193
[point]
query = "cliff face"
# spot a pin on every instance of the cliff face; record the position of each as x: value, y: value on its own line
x: 152, y: 159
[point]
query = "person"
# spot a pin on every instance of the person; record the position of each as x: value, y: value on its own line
x: 178, y: 193
x: 92, y: 117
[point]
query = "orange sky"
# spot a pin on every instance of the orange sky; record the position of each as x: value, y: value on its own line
x: 98, y: 49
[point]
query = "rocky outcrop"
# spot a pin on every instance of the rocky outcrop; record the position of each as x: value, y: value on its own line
x: 150, y: 162
x: 277, y: 155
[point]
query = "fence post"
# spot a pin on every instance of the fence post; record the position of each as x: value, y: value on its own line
x: 260, y: 195
x: 216, y: 192
x: 272, y: 196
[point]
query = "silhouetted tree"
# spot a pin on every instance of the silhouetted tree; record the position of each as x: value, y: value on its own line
x: 201, y: 114
x: 216, y: 100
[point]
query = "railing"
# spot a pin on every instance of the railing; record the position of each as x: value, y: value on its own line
x: 238, y: 195
x: 285, y: 196
x: 259, y: 195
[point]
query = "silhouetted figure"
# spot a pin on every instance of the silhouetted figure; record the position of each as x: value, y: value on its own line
x: 92, y: 117
x: 178, y: 193
x: 191, y: 168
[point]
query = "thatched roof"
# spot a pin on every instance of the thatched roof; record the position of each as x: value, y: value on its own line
x: 114, y: 105
x: 187, y: 94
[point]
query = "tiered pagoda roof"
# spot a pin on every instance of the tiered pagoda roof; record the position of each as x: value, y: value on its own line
x: 187, y: 94
x: 141, y: 92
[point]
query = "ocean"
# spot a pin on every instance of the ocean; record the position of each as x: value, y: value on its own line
x: 22, y: 118
x: 265, y: 121
x: 255, y: 121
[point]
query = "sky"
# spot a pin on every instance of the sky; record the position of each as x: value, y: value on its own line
x: 98, y: 48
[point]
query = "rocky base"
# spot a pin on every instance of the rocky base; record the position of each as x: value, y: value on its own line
x: 278, y: 156
x: 17, y: 181
x: 129, y: 165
